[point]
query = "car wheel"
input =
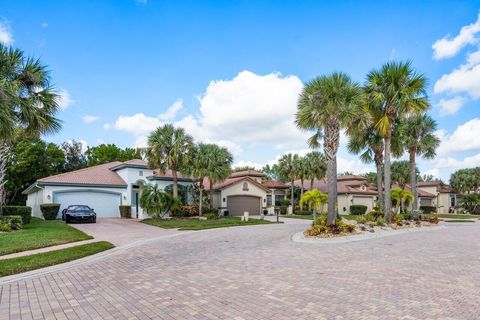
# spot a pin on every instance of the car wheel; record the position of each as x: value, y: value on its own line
x: 66, y: 220
x: 94, y: 220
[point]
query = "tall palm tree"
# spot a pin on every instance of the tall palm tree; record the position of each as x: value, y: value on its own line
x: 316, y: 166
x: 168, y: 149
x: 301, y: 172
x: 287, y: 166
x: 198, y: 168
x: 394, y: 91
x: 219, y: 165
x: 27, y: 100
x: 419, y: 139
x: 326, y: 105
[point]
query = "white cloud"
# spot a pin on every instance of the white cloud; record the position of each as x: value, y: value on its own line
x: 5, y: 34
x: 464, y: 138
x: 64, y: 100
x: 455, y: 164
x: 172, y: 111
x: 448, y: 47
x: 82, y: 142
x: 89, y: 118
x: 242, y: 163
x: 451, y: 106
x: 245, y: 111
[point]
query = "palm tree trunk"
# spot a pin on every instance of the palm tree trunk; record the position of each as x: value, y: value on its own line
x: 292, y: 202
x: 401, y: 205
x: 387, y: 177
x: 413, y: 180
x: 311, y: 183
x: 200, y: 203
x: 330, y: 145
x: 211, y: 192
x: 175, y: 183
x: 380, y: 185
x: 332, y: 184
x: 301, y: 194
x: 3, y: 171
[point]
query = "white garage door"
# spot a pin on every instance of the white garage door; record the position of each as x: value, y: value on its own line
x: 104, y: 204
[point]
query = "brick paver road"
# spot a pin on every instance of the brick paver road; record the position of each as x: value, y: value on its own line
x: 258, y: 273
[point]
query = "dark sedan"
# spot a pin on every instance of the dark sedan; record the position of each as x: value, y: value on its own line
x: 79, y: 213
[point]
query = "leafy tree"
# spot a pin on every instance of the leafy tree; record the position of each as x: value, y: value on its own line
x: 28, y: 161
x: 272, y: 172
x: 419, y: 139
x: 27, y: 100
x: 301, y: 172
x: 243, y: 168
x: 105, y: 153
x: 372, y: 178
x: 471, y: 202
x: 466, y: 180
x: 393, y: 91
x: 426, y: 178
x: 74, y: 157
x: 327, y: 104
x: 401, y: 196
x: 401, y: 172
x: 168, y: 149
x: 287, y: 168
x: 315, y: 199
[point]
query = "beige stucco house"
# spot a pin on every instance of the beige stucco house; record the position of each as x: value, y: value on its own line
x: 444, y: 197
x: 247, y: 191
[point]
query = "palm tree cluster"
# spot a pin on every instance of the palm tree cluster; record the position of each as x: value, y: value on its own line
x: 171, y: 148
x: 28, y: 102
x: 383, y: 118
x: 293, y: 167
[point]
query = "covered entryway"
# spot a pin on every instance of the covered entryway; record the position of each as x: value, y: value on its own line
x: 104, y: 203
x: 237, y: 205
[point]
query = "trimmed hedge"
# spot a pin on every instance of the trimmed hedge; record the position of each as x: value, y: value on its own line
x: 22, y: 211
x: 50, y: 210
x: 303, y: 212
x: 125, y: 211
x: 428, y: 209
x: 357, y: 209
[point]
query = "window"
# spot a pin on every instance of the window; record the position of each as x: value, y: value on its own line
x: 453, y: 201
x: 245, y: 186
x: 278, y: 198
x: 140, y: 173
x: 269, y: 200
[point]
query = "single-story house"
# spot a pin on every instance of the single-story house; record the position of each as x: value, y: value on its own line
x: 247, y: 191
x: 104, y: 187
x: 444, y: 197
x: 356, y: 190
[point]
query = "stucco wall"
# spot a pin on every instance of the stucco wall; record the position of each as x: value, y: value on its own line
x: 34, y: 200
x: 237, y: 189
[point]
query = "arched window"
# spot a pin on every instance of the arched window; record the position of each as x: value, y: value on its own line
x: 245, y: 186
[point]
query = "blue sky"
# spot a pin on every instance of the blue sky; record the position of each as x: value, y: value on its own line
x: 230, y: 72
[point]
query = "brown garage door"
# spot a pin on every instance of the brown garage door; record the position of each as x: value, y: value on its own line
x: 236, y: 205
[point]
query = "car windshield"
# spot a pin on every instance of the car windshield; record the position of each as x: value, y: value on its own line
x: 79, y: 208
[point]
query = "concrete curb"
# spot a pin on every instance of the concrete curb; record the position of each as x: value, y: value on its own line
x: 300, y: 237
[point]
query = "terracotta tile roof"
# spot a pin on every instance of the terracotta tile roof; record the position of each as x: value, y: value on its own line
x: 441, y: 187
x: 245, y: 173
x: 274, y: 184
x: 168, y: 174
x: 231, y: 181
x: 100, y: 174
x: 345, y: 184
x: 137, y: 162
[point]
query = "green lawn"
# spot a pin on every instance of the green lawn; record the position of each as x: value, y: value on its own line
x: 196, y: 224
x: 42, y: 260
x: 459, y: 220
x: 453, y: 216
x: 39, y: 234
x: 310, y: 217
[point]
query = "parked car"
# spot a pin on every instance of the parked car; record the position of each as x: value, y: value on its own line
x: 79, y: 213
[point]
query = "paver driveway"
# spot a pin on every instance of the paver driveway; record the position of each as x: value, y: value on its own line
x: 257, y: 272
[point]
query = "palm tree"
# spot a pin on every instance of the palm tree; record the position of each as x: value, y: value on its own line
x: 168, y: 149
x: 198, y: 168
x: 316, y: 200
x: 287, y: 166
x: 153, y: 200
x: 326, y: 105
x: 316, y: 166
x: 369, y: 143
x: 419, y: 139
x: 219, y: 165
x: 400, y: 196
x: 301, y: 172
x: 27, y: 100
x: 394, y: 91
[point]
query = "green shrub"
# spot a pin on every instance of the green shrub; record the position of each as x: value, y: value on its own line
x: 361, y: 219
x: 428, y: 209
x: 50, y: 210
x: 303, y: 212
x: 358, y: 209
x: 212, y: 215
x: 125, y: 211
x: 23, y: 211
x: 284, y: 203
x: 13, y: 222
x: 320, y: 227
x: 376, y: 213
x: 5, y: 227
x: 380, y: 222
x: 406, y: 216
